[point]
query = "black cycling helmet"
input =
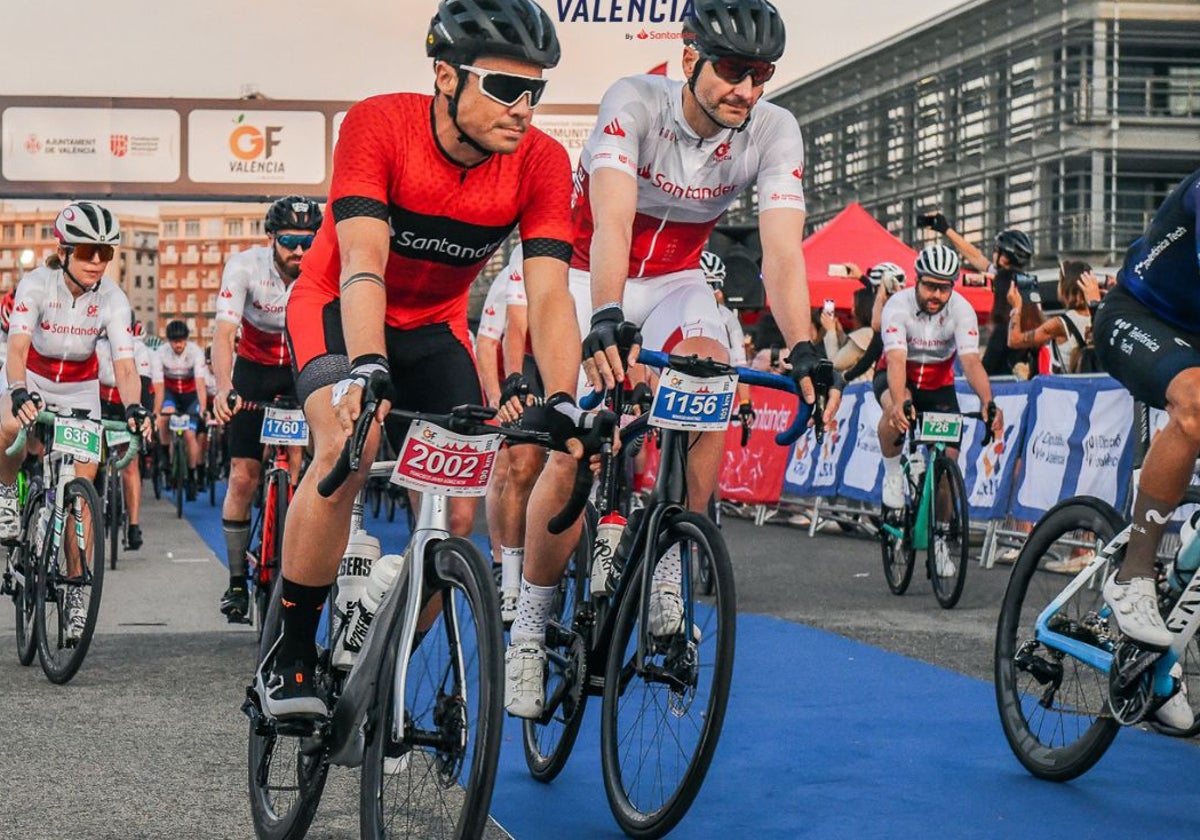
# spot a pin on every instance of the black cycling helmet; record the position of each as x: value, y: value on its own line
x: 739, y: 28
x: 463, y: 30
x: 293, y: 212
x: 177, y: 331
x: 1016, y: 245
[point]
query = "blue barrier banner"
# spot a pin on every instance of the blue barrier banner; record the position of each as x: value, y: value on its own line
x: 988, y: 472
x: 814, y: 470
x: 862, y: 465
x: 1076, y: 441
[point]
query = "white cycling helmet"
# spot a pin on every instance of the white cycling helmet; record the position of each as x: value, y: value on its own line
x: 713, y: 268
x: 86, y: 222
x: 890, y: 275
x: 939, y: 262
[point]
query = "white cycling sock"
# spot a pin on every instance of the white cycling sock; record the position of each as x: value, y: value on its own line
x: 670, y: 567
x: 891, y: 467
x: 533, y: 611
x: 512, y: 559
x: 8, y: 491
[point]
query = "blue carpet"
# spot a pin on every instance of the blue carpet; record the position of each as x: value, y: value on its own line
x: 829, y: 738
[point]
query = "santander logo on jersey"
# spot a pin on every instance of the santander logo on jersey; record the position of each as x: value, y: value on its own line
x: 662, y: 182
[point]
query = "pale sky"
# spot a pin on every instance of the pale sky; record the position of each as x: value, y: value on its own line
x: 348, y: 49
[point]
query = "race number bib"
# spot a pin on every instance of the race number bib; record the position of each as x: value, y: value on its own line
x: 693, y: 403
x: 78, y: 438
x: 116, y: 437
x: 179, y: 423
x: 434, y: 460
x: 937, y: 427
x: 284, y: 427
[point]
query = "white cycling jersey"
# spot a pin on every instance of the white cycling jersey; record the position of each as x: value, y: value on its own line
x: 507, y: 289
x: 930, y: 341
x: 64, y: 329
x: 142, y: 359
x: 149, y: 365
x: 254, y: 295
x: 3, y: 347
x: 684, y: 182
x: 181, y: 370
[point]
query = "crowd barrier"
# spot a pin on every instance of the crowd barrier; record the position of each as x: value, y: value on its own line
x: 1063, y: 436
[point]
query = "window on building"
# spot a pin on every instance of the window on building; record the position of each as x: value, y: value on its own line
x: 27, y: 231
x: 974, y: 115
x: 137, y: 281
x: 256, y: 227
x: 233, y: 227
x: 971, y: 212
x: 10, y: 233
x: 149, y: 282
x: 856, y: 145
x: 191, y: 227
x: 1183, y: 91
x: 212, y: 227
x: 47, y: 231
x: 1022, y: 100
x: 822, y: 160
x: 170, y: 228
x: 896, y: 133
x: 930, y: 124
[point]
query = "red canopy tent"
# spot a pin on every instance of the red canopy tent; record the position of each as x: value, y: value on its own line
x: 853, y: 236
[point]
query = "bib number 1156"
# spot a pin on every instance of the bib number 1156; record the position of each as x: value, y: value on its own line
x: 693, y: 403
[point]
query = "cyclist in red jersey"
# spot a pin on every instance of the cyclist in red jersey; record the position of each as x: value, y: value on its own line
x: 425, y: 189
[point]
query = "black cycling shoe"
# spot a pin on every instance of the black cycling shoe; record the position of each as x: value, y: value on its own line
x: 235, y: 604
x: 133, y: 537
x: 291, y: 692
x: 189, y: 490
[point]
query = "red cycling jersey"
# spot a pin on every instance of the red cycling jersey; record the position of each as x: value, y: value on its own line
x: 446, y: 220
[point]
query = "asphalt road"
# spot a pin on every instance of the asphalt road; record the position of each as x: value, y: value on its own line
x: 148, y: 740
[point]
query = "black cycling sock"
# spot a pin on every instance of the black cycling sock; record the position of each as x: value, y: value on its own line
x: 237, y: 540
x: 302, y: 606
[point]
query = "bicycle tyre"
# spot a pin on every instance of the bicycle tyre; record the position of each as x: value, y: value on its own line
x: 899, y: 555
x: 179, y: 472
x: 955, y: 534
x: 112, y: 499
x: 25, y: 596
x: 60, y: 662
x: 311, y: 771
x: 1049, y: 738
x: 459, y: 574
x: 156, y: 471
x: 212, y: 469
x: 638, y: 814
x: 548, y: 745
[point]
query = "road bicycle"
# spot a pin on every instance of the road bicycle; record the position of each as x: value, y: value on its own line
x: 663, y: 697
x: 116, y: 513
x: 283, y: 427
x: 178, y: 425
x: 935, y: 518
x: 421, y: 709
x: 216, y: 465
x: 67, y: 573
x: 1066, y: 679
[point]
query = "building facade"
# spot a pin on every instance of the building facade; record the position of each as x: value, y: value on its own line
x: 27, y: 238
x: 1071, y: 119
x: 194, y: 243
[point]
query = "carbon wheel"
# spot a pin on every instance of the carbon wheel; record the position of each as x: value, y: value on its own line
x: 25, y: 563
x: 435, y: 780
x: 1055, y: 708
x: 899, y: 555
x: 949, y: 534
x: 61, y: 592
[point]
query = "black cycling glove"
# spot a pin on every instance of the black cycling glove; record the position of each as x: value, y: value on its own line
x: 564, y: 420
x: 514, y: 386
x: 20, y: 396
x: 937, y: 221
x: 137, y: 417
x: 804, y: 360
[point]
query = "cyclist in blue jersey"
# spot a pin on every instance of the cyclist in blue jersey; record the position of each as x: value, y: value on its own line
x: 1147, y: 333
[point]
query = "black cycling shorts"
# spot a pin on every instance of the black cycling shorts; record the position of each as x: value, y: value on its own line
x: 1139, y: 349
x: 934, y: 399
x: 260, y: 384
x: 432, y: 368
x: 111, y: 410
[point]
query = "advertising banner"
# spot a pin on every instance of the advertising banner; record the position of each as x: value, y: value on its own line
x: 988, y: 471
x: 815, y: 469
x: 244, y: 147
x: 90, y: 144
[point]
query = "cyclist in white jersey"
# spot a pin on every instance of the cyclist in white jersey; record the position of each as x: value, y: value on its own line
x: 60, y: 310
x: 665, y: 160
x: 714, y: 272
x: 111, y: 409
x: 185, y: 392
x: 924, y: 328
x: 258, y: 368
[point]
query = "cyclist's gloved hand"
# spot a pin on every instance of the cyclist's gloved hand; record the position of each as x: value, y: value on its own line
x: 641, y: 397
x: 22, y: 397
x: 746, y: 413
x: 370, y: 370
x: 565, y: 421
x: 514, y: 387
x: 138, y: 419
x: 607, y: 347
x: 803, y: 361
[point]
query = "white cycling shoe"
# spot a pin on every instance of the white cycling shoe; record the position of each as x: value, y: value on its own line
x: 1177, y: 712
x: 942, y: 563
x: 525, y: 679
x: 893, y: 490
x: 1134, y: 605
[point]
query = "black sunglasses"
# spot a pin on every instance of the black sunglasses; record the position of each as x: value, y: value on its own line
x: 507, y: 88
x: 292, y: 241
x: 732, y: 70
x: 86, y: 251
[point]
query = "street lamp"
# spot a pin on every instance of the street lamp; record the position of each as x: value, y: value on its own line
x: 27, y: 259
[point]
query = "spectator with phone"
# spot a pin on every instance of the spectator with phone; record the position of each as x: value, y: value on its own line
x: 1011, y: 253
x: 881, y: 281
x: 1068, y: 335
x: 843, y: 348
